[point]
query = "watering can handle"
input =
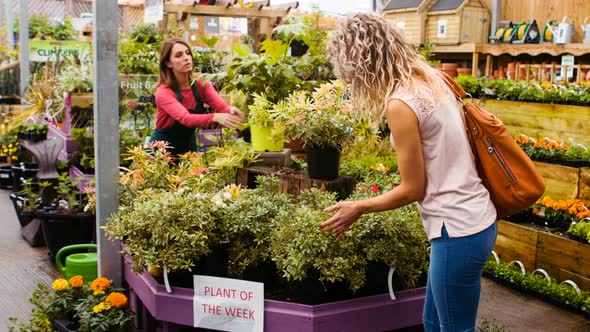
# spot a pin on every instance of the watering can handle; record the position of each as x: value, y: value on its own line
x: 563, y: 20
x: 585, y: 20
x: 62, y: 252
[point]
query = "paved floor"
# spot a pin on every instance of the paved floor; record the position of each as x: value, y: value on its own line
x: 22, y: 267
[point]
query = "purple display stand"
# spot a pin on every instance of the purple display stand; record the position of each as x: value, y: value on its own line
x: 85, y: 178
x: 371, y: 313
x: 70, y: 145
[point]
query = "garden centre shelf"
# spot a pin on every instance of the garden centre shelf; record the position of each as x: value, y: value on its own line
x: 491, y: 50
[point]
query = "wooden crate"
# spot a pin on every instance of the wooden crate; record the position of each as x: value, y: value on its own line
x: 584, y: 184
x: 517, y: 242
x: 280, y: 159
x: 542, y: 120
x: 293, y: 182
x: 455, y: 22
x: 561, y: 182
x: 409, y: 17
x: 564, y: 259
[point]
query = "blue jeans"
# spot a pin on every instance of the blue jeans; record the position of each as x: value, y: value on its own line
x: 454, y: 280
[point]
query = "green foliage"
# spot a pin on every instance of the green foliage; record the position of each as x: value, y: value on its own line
x: 42, y: 27
x: 138, y: 57
x: 165, y: 230
x: 539, y: 284
x: 146, y: 33
x: 39, y: 322
x: 577, y: 152
x: 208, y: 60
x: 371, y: 169
x: 264, y: 113
x: 580, y: 229
x: 469, y: 83
x: 246, y: 217
x: 323, y: 120
x: 426, y: 51
x: 33, y: 128
x: 76, y: 76
x: 300, y: 249
x: 85, y: 154
x: 68, y: 193
x: 394, y: 237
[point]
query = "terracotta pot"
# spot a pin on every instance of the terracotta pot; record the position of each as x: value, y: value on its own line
x: 452, y: 73
x: 464, y: 71
x: 511, y: 67
x: 438, y: 66
x: 449, y: 66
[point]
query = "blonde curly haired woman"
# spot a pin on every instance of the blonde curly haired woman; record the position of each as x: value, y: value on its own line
x: 388, y: 77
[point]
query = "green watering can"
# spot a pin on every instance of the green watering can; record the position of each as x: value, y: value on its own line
x: 84, y: 264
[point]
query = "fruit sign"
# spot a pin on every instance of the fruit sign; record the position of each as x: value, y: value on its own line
x: 228, y: 304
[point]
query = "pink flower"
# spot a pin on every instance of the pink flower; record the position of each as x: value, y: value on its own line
x: 132, y: 105
x: 374, y: 188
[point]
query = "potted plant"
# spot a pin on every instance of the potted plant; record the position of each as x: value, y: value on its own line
x: 324, y: 123
x: 76, y: 79
x: 267, y: 124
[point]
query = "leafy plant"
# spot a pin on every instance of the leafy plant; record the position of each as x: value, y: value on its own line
x: 300, y: 249
x: 469, y: 83
x: 426, y: 51
x: 323, y: 120
x: 76, y: 77
x: 209, y: 60
x: 138, y: 56
x: 165, y: 230
x: 580, y: 229
x: 69, y: 197
x: 264, y: 113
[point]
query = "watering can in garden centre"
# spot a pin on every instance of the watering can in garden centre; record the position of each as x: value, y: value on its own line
x: 563, y: 32
x: 586, y: 29
x: 80, y: 263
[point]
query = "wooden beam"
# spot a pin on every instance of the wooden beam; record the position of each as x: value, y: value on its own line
x: 221, y: 11
x: 535, y: 49
x: 286, y: 6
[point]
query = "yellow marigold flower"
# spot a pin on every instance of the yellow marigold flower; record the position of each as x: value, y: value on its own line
x: 60, y: 284
x: 117, y: 300
x: 76, y: 281
x: 98, y: 293
x: 100, y: 284
x: 102, y: 306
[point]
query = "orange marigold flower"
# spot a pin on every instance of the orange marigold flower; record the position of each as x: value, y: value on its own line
x: 117, y: 300
x: 76, y: 281
x: 100, y: 284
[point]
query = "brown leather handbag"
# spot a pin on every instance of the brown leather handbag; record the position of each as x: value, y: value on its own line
x: 506, y: 170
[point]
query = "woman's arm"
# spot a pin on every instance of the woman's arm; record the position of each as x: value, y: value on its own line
x: 211, y: 97
x: 404, y: 127
x: 168, y: 103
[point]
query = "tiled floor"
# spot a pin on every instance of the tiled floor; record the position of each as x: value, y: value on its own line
x: 22, y: 267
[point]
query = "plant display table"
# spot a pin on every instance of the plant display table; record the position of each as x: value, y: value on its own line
x: 562, y: 258
x: 293, y: 182
x: 372, y: 313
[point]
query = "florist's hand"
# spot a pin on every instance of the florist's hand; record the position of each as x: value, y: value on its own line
x: 227, y: 120
x: 236, y: 111
x: 347, y: 213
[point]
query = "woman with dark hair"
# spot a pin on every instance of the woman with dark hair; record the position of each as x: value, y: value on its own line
x: 180, y: 104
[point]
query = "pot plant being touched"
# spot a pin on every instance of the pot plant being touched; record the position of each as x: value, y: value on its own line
x: 267, y: 124
x: 324, y: 123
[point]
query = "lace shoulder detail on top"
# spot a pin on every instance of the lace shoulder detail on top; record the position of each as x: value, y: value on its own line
x: 421, y: 105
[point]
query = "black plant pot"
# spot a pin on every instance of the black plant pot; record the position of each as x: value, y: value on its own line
x: 18, y: 203
x: 21, y: 172
x: 323, y: 163
x: 38, y: 137
x: 312, y: 291
x: 265, y: 272
x: 60, y: 230
x: 214, y: 264
x: 64, y: 325
x: 6, y: 177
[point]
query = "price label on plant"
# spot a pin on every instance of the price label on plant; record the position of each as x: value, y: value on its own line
x: 228, y: 304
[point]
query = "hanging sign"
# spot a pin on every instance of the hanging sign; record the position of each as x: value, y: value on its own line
x: 567, y: 60
x: 228, y: 304
x: 49, y: 50
x: 153, y: 11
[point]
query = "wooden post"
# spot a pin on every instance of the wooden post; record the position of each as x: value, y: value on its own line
x: 475, y: 64
x: 528, y: 72
x: 489, y: 60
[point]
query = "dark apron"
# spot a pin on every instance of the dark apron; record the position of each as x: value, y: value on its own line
x: 180, y: 138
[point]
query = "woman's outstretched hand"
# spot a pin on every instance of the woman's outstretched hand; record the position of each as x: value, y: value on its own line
x: 236, y: 111
x: 346, y: 214
x: 227, y: 119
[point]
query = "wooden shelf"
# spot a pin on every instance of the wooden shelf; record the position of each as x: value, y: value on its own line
x: 515, y: 49
x: 534, y: 49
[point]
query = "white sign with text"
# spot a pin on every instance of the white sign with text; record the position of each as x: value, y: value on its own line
x: 228, y: 304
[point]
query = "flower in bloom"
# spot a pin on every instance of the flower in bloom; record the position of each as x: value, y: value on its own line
x: 117, y: 300
x: 102, y: 306
x: 60, y: 284
x: 76, y: 281
x: 100, y: 284
x: 374, y: 188
x: 98, y: 293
